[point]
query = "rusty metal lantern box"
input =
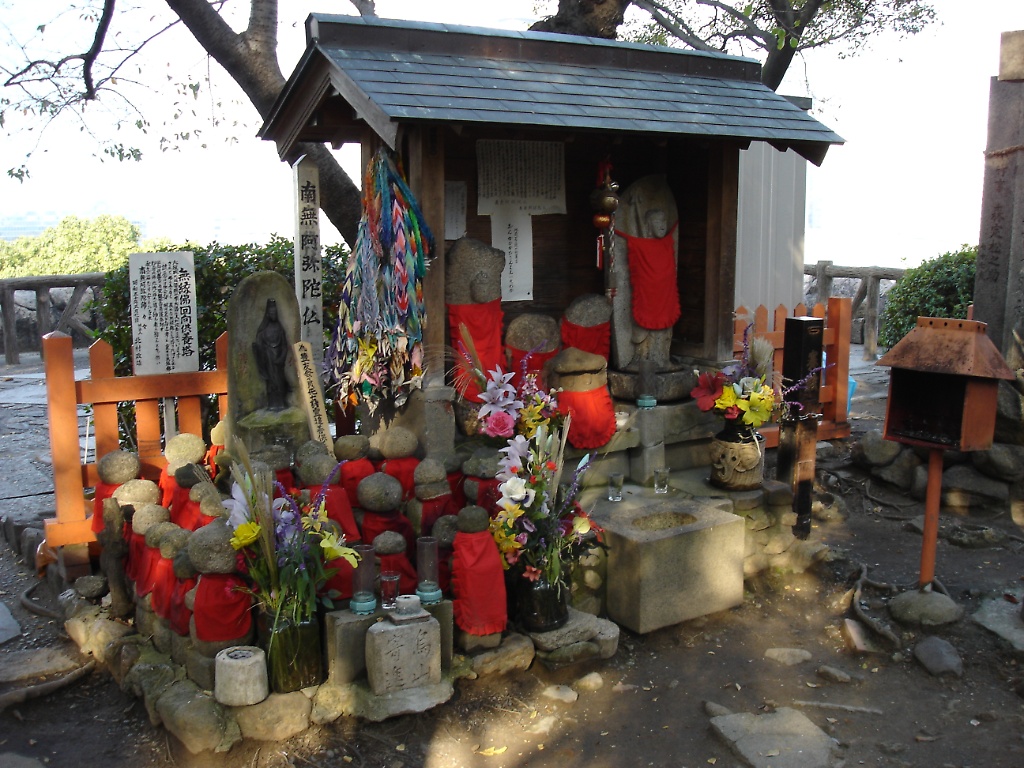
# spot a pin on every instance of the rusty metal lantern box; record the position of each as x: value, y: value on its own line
x: 943, y: 385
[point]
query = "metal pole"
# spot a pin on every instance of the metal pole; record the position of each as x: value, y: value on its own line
x: 931, y: 517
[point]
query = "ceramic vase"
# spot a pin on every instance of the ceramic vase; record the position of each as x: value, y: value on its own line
x: 737, y: 457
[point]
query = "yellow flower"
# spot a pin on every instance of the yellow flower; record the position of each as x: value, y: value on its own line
x: 758, y: 409
x: 245, y: 534
x: 727, y: 398
x: 581, y: 525
x: 333, y: 549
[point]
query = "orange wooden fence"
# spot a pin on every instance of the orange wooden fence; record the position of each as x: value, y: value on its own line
x: 103, y: 390
x: 835, y: 380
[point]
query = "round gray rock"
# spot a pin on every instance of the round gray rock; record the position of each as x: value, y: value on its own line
x: 316, y: 469
x: 309, y: 449
x: 91, y: 587
x: 118, y: 467
x: 473, y: 519
x: 485, y: 462
x: 138, y: 492
x: 380, y: 493
x: 184, y: 449
x: 873, y: 450
x: 397, y: 443
x: 148, y: 515
x: 389, y: 543
x: 533, y: 333
x: 204, y: 490
x: 183, y: 565
x: 351, y: 447
x: 925, y: 609
x: 939, y: 657
x: 157, y: 531
x: 210, y: 548
x: 172, y: 542
x: 190, y: 475
x: 589, y: 310
x: 429, y: 471
x: 274, y: 456
x: 444, y: 530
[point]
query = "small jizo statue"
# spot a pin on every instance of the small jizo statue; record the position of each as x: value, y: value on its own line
x: 270, y: 350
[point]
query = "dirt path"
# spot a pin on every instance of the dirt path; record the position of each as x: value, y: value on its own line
x: 650, y: 710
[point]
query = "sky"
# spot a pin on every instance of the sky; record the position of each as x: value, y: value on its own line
x: 905, y: 187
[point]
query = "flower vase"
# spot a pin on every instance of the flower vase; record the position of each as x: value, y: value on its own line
x: 293, y: 652
x: 541, y: 605
x: 737, y: 457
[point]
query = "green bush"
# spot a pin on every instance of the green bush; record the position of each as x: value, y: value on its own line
x: 72, y: 247
x: 219, y: 268
x: 942, y: 287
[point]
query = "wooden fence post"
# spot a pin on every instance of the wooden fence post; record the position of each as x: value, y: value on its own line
x: 10, y: 331
x: 871, y: 319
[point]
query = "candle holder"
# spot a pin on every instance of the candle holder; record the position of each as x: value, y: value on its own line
x: 428, y: 589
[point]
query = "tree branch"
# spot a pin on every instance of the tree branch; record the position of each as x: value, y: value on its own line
x: 89, y: 58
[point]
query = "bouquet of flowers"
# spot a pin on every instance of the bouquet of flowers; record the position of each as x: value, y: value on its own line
x: 740, y: 392
x: 540, y: 529
x: 285, y: 545
x: 507, y: 412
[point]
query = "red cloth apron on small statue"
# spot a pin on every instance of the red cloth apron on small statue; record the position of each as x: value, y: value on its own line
x: 103, y: 491
x: 402, y: 470
x: 457, y: 482
x: 375, y: 524
x: 652, y: 274
x: 433, y: 509
x: 341, y: 581
x: 179, y: 615
x: 164, y: 582
x: 487, y: 493
x: 167, y: 485
x: 483, y: 324
x: 185, y: 512
x: 286, y: 478
x: 478, y: 584
x: 352, y: 473
x: 596, y: 339
x: 407, y: 577
x: 222, y: 610
x: 136, y: 551
x: 210, y: 460
x: 338, y: 509
x: 534, y: 364
x: 146, y: 576
x: 593, y: 417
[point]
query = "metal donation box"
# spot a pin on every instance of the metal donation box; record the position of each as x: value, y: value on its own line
x: 942, y: 394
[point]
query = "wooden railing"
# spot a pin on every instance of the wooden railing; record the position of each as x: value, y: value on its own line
x: 835, y: 380
x: 825, y: 271
x: 41, y: 286
x: 103, y: 390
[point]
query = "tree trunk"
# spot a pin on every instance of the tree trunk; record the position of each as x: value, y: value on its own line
x: 592, y: 18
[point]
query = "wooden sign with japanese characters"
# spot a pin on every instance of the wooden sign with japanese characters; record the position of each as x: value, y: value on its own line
x: 312, y: 395
x: 165, y: 334
x: 308, y: 259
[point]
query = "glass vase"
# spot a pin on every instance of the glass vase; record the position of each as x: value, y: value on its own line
x: 294, y: 658
x: 541, y: 605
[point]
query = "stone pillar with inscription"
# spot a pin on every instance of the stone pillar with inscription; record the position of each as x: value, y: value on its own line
x: 308, y: 259
x: 404, y: 652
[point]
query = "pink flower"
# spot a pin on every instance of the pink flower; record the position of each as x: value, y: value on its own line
x: 499, y: 424
x: 532, y: 573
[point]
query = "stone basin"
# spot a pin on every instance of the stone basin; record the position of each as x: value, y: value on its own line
x: 670, y: 561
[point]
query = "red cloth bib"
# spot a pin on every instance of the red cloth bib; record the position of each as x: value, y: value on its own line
x: 222, y: 610
x: 478, y: 584
x: 338, y: 509
x: 285, y: 478
x: 652, y: 273
x: 164, y: 582
x: 375, y: 524
x: 596, y: 339
x: 103, y: 491
x: 407, y: 578
x: 352, y: 473
x: 433, y: 509
x: 146, y: 575
x: 402, y: 470
x: 136, y: 551
x: 179, y: 615
x: 341, y: 581
x: 484, y: 324
x: 457, y: 482
x: 593, y: 417
x: 167, y: 485
x: 534, y: 364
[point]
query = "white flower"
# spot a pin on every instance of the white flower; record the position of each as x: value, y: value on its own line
x: 499, y: 395
x: 237, y: 507
x: 515, y: 453
x: 515, y: 490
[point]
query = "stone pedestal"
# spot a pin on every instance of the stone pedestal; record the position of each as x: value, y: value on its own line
x: 405, y: 651
x: 671, y: 561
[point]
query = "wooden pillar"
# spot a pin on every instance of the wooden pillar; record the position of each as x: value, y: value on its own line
x: 71, y: 526
x: 823, y: 281
x: 720, y: 278
x: 426, y: 179
x: 871, y: 318
x: 10, y: 331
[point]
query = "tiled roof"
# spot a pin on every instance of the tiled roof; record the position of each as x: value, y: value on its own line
x: 415, y: 72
